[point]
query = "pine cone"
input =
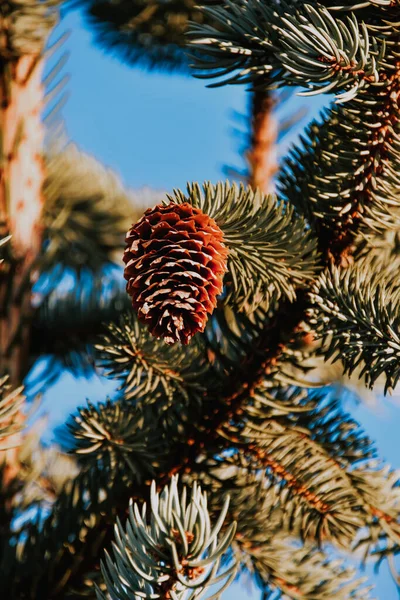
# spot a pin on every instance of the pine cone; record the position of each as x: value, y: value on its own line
x: 175, y: 262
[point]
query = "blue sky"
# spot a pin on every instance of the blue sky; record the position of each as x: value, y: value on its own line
x: 162, y: 130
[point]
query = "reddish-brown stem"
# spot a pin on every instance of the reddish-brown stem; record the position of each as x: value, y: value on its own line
x: 261, y: 155
x: 338, y: 244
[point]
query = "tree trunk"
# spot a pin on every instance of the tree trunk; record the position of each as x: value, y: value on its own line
x: 262, y: 152
x: 21, y: 202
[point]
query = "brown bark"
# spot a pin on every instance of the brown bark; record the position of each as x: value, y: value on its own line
x: 261, y: 155
x: 21, y: 202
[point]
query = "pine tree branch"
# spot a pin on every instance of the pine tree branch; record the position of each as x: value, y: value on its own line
x: 330, y: 502
x: 96, y: 480
x: 177, y: 555
x: 328, y: 156
x: 356, y: 316
x: 380, y: 253
x: 271, y: 343
x: 265, y: 351
x: 72, y: 502
x: 263, y: 545
x: 303, y: 573
x: 268, y: 45
x: 264, y: 510
x: 124, y: 450
x: 145, y: 366
x: 346, y: 184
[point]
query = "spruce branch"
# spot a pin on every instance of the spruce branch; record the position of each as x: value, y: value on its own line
x: 147, y: 367
x: 343, y: 176
x: 269, y: 45
x: 176, y: 555
x: 275, y: 335
x: 91, y: 508
x: 183, y: 457
x: 378, y: 486
x: 317, y: 413
x: 322, y: 492
x: 313, y: 488
x: 264, y: 544
x: 90, y: 493
x: 326, y: 423
x: 356, y: 316
x: 113, y: 439
x: 305, y: 573
x: 379, y: 253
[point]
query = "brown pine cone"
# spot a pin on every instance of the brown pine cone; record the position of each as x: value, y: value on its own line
x: 175, y: 262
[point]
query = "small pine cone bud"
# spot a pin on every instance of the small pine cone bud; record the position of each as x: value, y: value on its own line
x: 175, y: 262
